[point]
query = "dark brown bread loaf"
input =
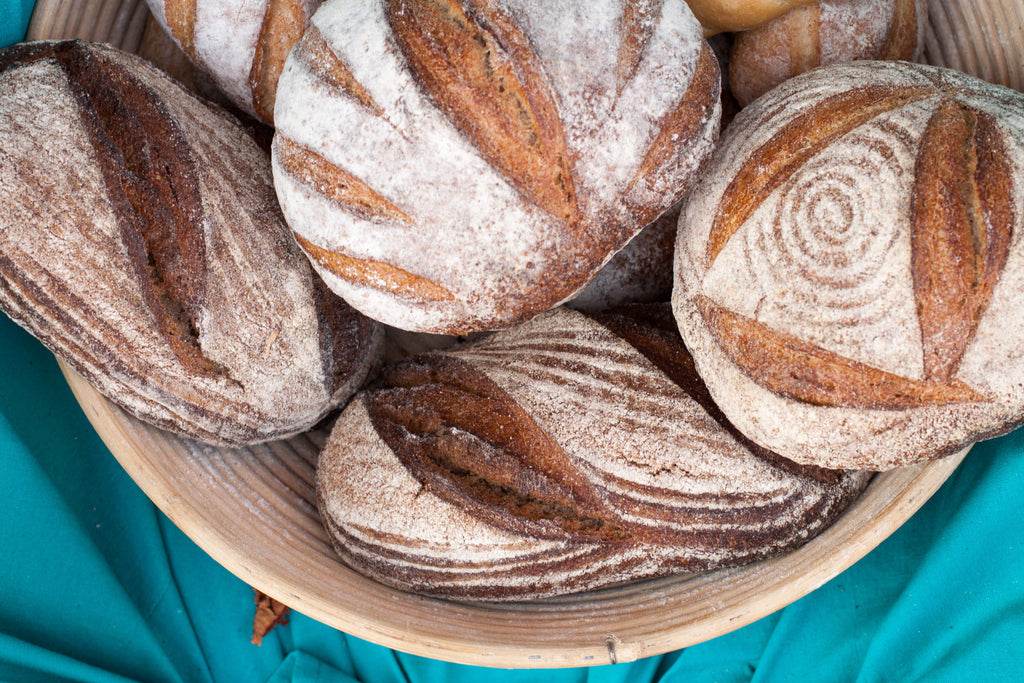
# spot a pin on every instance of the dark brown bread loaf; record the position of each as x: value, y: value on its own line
x: 241, y: 45
x: 565, y: 454
x: 824, y: 32
x: 849, y: 273
x: 142, y: 243
x: 462, y: 165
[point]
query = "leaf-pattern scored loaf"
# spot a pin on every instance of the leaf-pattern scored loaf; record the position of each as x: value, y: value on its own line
x: 565, y: 454
x: 849, y: 278
x: 142, y: 243
x: 459, y: 165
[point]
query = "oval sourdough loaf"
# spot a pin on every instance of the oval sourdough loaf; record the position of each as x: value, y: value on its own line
x: 568, y: 453
x: 241, y: 45
x: 142, y: 243
x: 459, y: 165
x: 850, y: 272
x: 824, y: 32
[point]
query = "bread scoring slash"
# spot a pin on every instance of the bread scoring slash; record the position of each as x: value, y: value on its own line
x: 142, y: 243
x: 453, y: 166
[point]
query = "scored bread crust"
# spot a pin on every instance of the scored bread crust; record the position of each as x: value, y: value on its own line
x: 821, y: 33
x: 460, y: 166
x: 849, y: 273
x: 241, y: 45
x: 143, y: 245
x: 569, y: 453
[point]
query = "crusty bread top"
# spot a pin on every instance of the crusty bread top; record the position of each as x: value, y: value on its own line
x: 143, y: 244
x: 241, y: 45
x: 849, y: 275
x: 456, y: 166
x: 567, y: 453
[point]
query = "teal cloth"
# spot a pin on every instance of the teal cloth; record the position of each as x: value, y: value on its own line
x: 96, y: 585
x: 14, y: 17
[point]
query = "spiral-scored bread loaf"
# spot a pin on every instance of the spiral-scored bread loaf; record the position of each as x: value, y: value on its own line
x: 850, y: 273
x: 241, y: 45
x: 824, y: 32
x: 142, y: 243
x: 459, y: 165
x: 565, y: 454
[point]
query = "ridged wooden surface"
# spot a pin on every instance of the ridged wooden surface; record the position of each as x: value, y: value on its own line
x: 253, y: 509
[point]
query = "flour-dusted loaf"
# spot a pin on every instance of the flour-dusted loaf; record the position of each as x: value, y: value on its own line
x: 459, y: 165
x: 568, y: 453
x: 824, y: 32
x: 850, y: 270
x: 241, y: 45
x: 142, y: 243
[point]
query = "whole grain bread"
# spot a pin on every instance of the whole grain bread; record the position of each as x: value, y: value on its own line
x: 142, y: 243
x: 565, y: 454
x: 462, y: 165
x: 850, y: 273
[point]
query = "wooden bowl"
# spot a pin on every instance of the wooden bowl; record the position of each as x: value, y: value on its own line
x: 253, y: 510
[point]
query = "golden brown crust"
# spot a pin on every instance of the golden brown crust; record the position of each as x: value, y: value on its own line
x: 852, y: 302
x: 479, y: 68
x: 523, y: 162
x: 283, y: 24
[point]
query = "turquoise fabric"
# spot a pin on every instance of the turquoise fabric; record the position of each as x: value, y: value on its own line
x: 14, y: 17
x: 97, y: 586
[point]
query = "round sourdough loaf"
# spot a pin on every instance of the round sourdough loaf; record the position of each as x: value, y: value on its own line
x: 142, y: 243
x: 739, y: 15
x: 241, y: 45
x: 565, y: 454
x: 850, y: 270
x: 824, y: 32
x: 462, y: 165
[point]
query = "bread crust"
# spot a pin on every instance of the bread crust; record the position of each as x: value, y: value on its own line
x: 824, y: 32
x: 849, y: 276
x: 458, y: 166
x: 143, y: 244
x: 569, y: 453
x: 242, y: 46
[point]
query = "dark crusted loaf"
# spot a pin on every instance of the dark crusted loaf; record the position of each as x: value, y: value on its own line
x: 142, y: 243
x: 566, y: 454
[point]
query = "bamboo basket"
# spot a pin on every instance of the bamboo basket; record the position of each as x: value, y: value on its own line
x: 253, y: 510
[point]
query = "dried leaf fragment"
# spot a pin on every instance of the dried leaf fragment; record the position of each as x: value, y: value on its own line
x: 269, y: 613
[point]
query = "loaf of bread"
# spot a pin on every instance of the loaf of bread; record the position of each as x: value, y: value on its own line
x: 562, y: 455
x: 142, y: 243
x: 850, y: 271
x: 824, y: 32
x: 726, y: 16
x: 462, y: 165
x: 241, y: 45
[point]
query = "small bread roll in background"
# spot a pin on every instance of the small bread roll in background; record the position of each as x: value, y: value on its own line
x: 825, y: 32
